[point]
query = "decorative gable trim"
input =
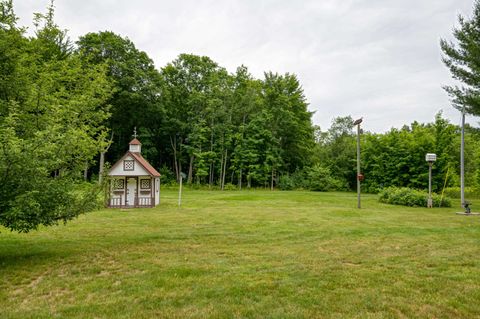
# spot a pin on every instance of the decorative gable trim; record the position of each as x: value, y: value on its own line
x: 146, y: 165
x: 140, y: 160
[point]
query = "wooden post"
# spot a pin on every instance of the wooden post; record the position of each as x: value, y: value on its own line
x: 430, y: 201
x: 462, y: 163
x: 358, y: 166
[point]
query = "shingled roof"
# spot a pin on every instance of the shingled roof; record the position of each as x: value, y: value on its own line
x: 149, y: 168
x: 139, y: 158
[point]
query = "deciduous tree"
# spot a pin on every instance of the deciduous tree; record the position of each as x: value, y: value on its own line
x: 51, y: 124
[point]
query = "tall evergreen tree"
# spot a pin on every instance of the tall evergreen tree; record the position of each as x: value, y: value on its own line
x: 463, y: 60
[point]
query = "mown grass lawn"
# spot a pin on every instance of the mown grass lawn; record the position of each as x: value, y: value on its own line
x: 249, y: 254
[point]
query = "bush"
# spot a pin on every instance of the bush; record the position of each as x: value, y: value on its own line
x: 317, y: 178
x: 91, y: 190
x: 371, y: 188
x: 167, y: 175
x: 454, y: 192
x: 230, y: 187
x: 286, y: 183
x: 320, y: 179
x: 411, y: 197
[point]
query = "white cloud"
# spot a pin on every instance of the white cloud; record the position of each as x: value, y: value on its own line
x: 378, y: 58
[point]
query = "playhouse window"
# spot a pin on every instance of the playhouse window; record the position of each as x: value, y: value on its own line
x: 145, y: 183
x: 128, y: 165
x: 118, y: 184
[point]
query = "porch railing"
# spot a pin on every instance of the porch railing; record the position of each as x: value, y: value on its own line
x: 144, y: 202
x: 117, y: 202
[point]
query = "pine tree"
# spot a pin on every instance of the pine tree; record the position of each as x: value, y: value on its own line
x: 463, y: 60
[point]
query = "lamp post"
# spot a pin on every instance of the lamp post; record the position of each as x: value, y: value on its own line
x: 462, y: 163
x: 359, y: 175
x: 430, y: 158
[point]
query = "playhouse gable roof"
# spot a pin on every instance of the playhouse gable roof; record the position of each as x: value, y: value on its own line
x: 146, y: 165
x: 138, y: 159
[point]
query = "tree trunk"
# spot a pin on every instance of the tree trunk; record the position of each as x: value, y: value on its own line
x: 175, y: 167
x: 179, y: 170
x: 221, y: 171
x: 224, y: 169
x: 271, y: 186
x: 190, y: 170
x: 102, y: 161
x: 211, y: 176
x: 240, y: 175
x: 85, y: 172
x: 240, y: 179
x: 102, y: 167
x: 173, y: 143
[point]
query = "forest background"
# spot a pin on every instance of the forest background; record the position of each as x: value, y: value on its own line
x: 64, y: 103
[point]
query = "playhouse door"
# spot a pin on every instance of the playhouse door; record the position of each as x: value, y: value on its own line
x: 131, y: 191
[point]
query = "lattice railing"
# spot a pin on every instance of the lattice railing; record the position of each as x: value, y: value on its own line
x: 116, y: 202
x: 144, y: 201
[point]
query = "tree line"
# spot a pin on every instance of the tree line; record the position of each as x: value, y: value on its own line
x: 230, y: 128
x: 66, y: 106
x: 195, y: 117
x: 397, y: 157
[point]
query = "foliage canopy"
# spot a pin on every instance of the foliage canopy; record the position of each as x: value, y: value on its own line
x: 52, y: 110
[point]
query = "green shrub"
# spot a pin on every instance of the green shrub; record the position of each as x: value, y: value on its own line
x: 230, y: 187
x: 90, y: 193
x: 454, y: 192
x: 411, y: 197
x: 320, y: 179
x: 371, y: 188
x: 167, y: 175
x: 286, y: 183
x: 317, y: 178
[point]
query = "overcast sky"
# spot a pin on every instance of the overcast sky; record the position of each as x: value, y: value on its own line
x: 379, y: 59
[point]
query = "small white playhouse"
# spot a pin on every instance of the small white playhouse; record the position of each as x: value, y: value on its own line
x: 133, y: 181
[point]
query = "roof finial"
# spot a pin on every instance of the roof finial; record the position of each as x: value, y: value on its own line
x: 135, y: 132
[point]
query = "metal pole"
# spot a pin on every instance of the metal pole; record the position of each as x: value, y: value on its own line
x: 462, y: 163
x: 358, y: 165
x: 180, y: 192
x: 430, y: 202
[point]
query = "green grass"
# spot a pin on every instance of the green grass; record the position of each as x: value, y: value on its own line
x: 250, y: 254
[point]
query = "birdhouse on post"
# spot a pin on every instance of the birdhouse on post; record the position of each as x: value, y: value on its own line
x: 430, y: 158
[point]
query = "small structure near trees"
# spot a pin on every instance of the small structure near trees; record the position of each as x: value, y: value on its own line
x: 430, y: 158
x: 133, y: 182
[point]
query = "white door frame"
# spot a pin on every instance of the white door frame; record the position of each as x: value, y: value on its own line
x: 132, y: 186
